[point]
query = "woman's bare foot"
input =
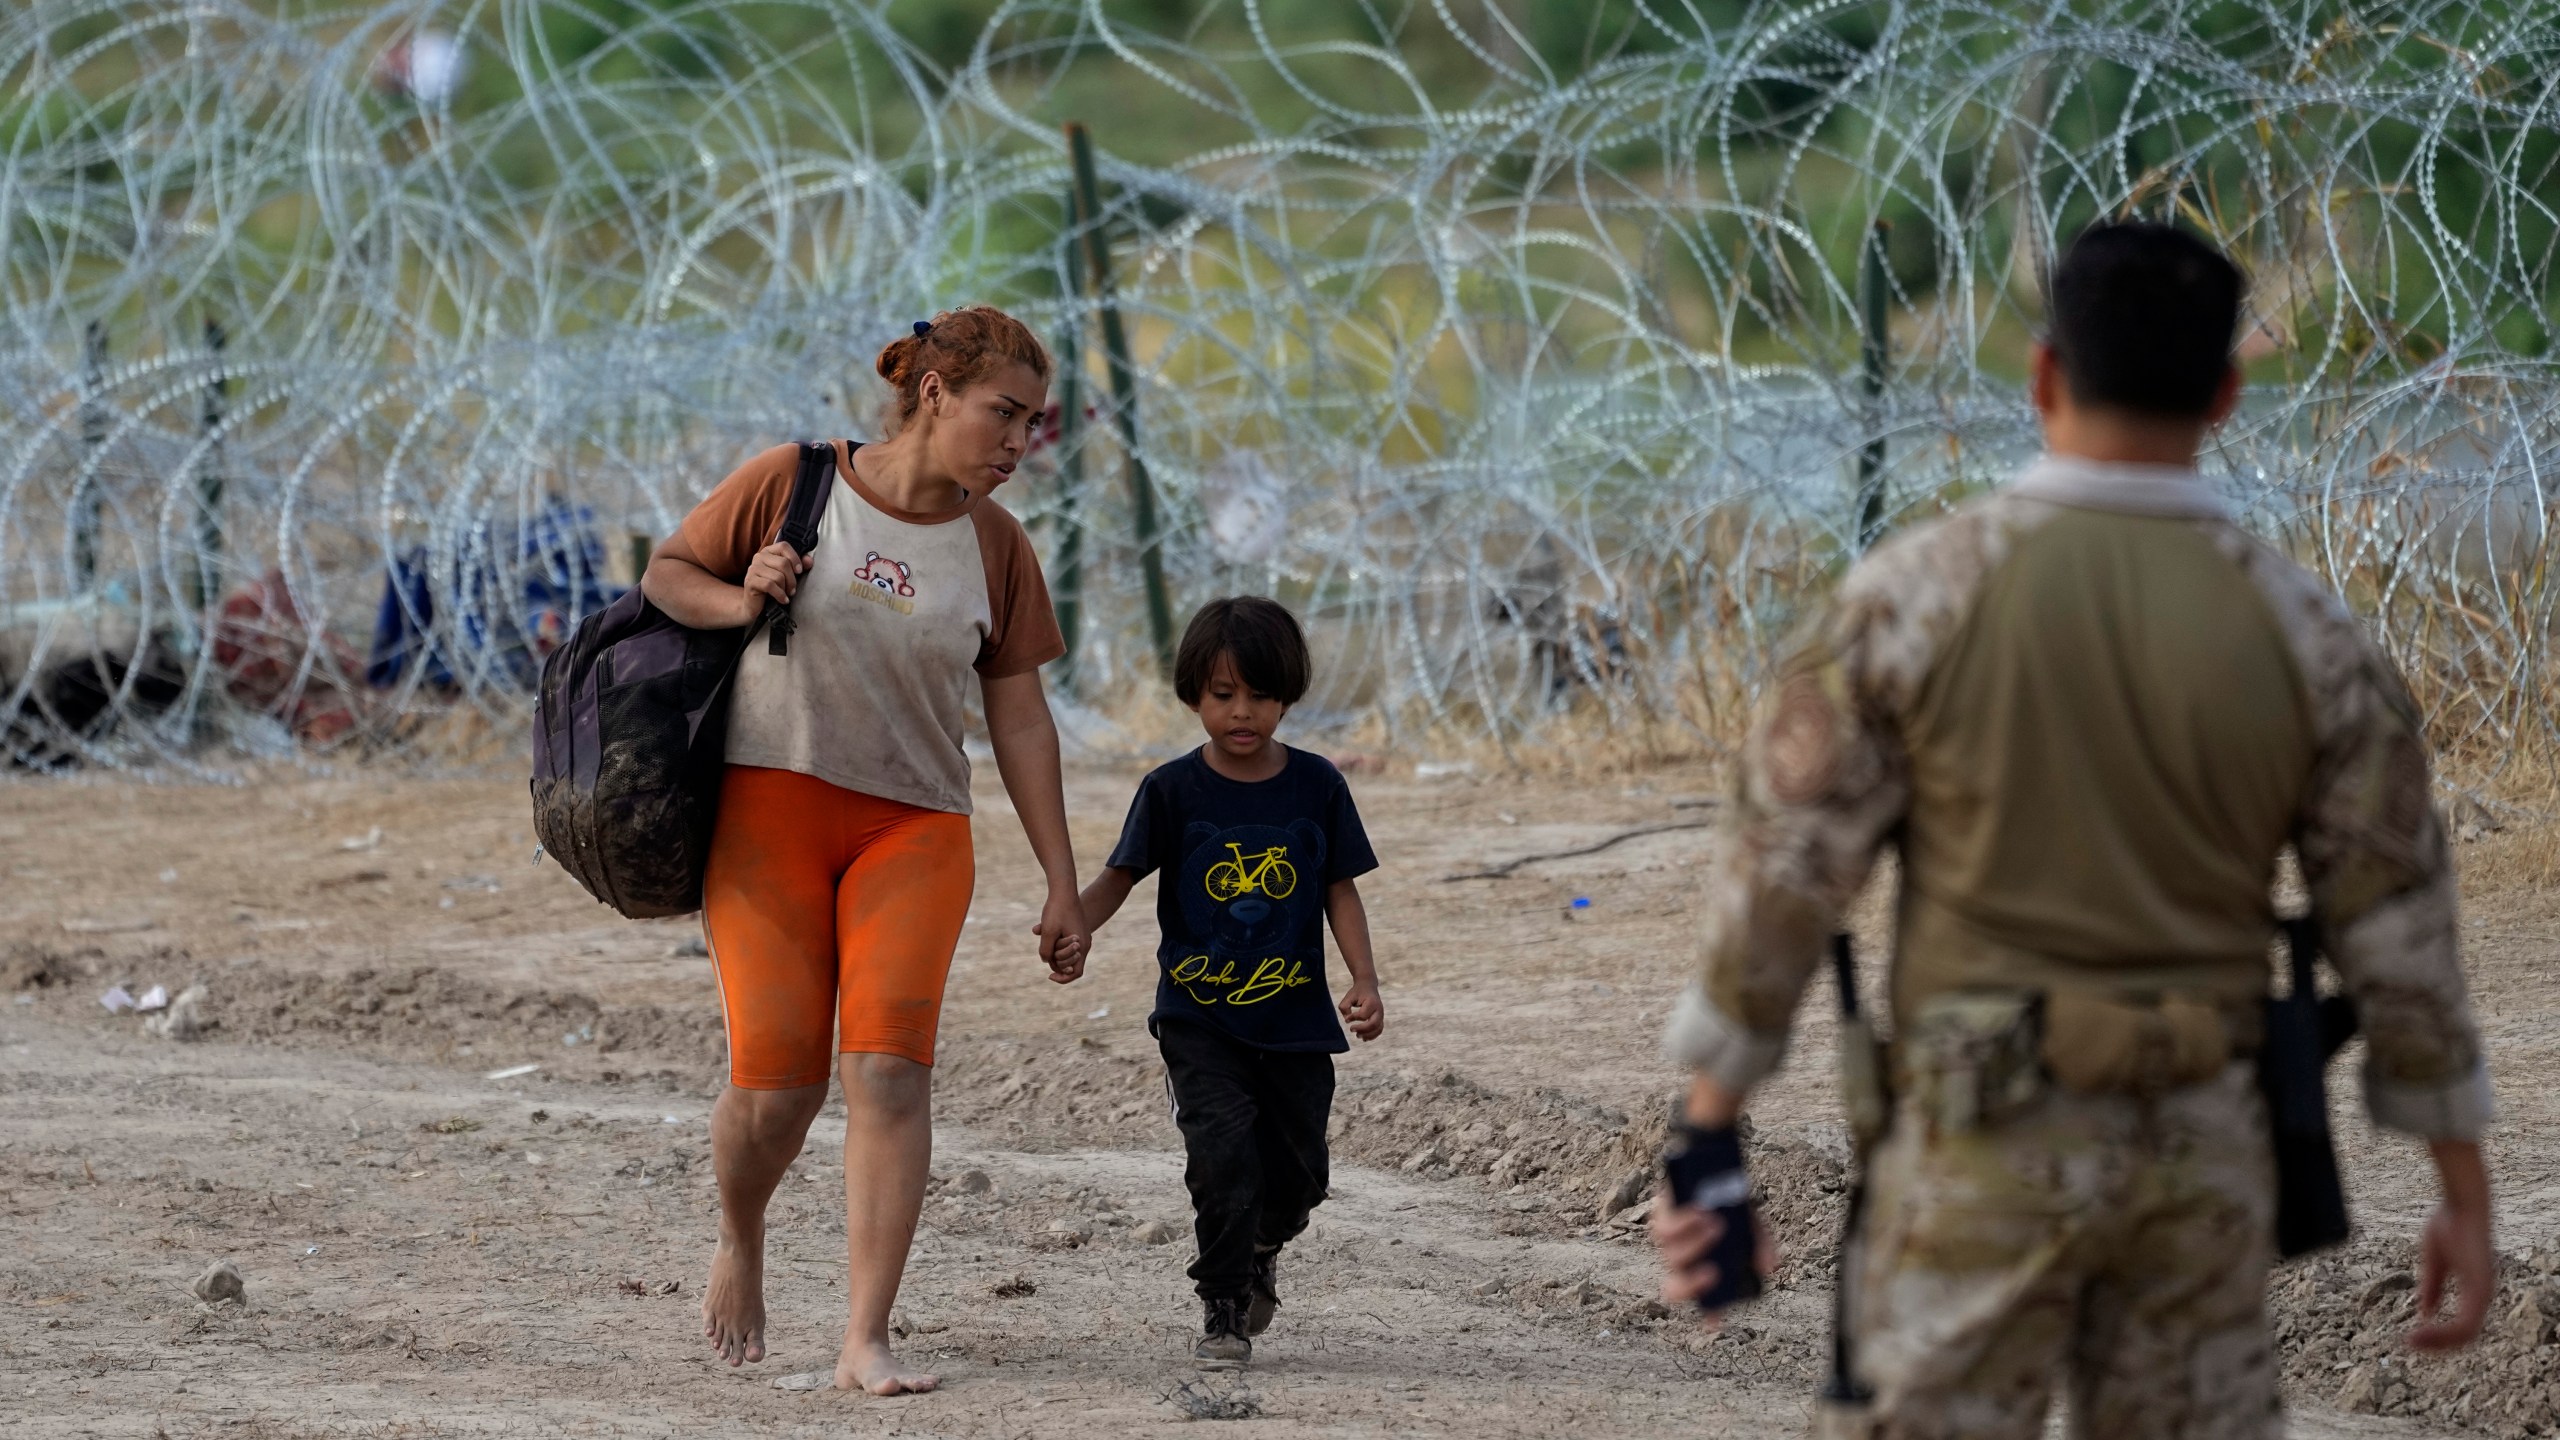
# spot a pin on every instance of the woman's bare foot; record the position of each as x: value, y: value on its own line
x: 733, y: 1303
x: 870, y: 1365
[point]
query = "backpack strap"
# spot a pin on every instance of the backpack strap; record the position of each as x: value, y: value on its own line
x: 810, y: 490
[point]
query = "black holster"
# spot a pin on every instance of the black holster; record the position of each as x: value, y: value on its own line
x: 1866, y: 1095
x: 2303, y: 1031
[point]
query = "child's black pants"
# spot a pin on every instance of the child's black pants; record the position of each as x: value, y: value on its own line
x: 1253, y: 1123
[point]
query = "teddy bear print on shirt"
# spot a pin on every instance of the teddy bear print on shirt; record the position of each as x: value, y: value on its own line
x: 886, y: 581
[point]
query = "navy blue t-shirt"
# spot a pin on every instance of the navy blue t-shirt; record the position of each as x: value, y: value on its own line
x: 1241, y: 904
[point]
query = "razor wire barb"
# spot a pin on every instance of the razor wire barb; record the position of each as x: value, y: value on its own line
x: 348, y: 346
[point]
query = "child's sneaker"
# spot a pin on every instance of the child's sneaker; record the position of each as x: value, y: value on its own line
x: 1224, y: 1346
x: 1266, y: 1290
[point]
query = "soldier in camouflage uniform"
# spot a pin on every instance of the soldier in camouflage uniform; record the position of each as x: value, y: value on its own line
x: 2090, y: 712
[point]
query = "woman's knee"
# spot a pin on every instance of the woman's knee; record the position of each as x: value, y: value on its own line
x: 774, y: 1117
x: 890, y: 1086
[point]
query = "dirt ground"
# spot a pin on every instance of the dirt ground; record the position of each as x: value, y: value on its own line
x: 429, y: 1251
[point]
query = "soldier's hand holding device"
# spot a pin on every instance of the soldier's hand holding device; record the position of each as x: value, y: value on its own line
x: 1714, y: 1248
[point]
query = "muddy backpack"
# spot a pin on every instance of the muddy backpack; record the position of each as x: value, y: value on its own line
x: 628, y: 728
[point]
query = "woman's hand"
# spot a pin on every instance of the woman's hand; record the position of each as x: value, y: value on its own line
x: 1026, y: 746
x: 1064, y: 935
x: 774, y: 574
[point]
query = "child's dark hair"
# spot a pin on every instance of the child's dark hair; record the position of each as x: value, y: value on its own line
x: 2143, y: 317
x: 1260, y: 636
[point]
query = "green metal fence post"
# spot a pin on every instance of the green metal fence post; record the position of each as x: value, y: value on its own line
x: 209, y: 480
x: 1069, y: 561
x: 1124, y: 392
x: 1874, y: 349
x: 89, y: 507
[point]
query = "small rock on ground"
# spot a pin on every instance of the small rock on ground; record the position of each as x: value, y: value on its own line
x: 220, y: 1283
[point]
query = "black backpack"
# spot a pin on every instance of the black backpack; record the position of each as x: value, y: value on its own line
x: 628, y: 728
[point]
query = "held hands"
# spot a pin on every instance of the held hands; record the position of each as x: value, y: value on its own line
x: 774, y: 574
x: 1363, y: 1013
x: 1064, y: 935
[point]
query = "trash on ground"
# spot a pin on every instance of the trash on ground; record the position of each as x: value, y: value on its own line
x: 117, y: 1000
x: 510, y: 1072
x: 368, y: 840
x: 1099, y: 1012
x: 1443, y: 769
x: 485, y: 884
x: 807, y: 1380
x: 689, y: 948
x: 108, y: 924
x: 155, y: 998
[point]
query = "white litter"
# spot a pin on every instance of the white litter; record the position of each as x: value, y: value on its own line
x: 155, y: 998
x: 510, y: 1072
x: 168, y: 877
x: 669, y: 1120
x: 108, y: 924
x: 1443, y: 769
x: 117, y: 1000
x: 366, y: 841
x: 1099, y: 1012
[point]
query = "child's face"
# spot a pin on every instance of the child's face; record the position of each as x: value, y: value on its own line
x: 1240, y: 719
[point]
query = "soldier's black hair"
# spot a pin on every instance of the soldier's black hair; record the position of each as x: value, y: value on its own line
x: 1259, y: 636
x: 2143, y: 317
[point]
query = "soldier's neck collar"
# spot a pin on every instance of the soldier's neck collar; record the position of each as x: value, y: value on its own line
x: 2162, y: 490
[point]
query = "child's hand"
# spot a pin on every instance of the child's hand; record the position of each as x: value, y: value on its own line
x: 1064, y: 936
x: 1363, y: 1013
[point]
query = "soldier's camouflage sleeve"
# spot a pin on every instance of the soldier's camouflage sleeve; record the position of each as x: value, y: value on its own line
x: 2380, y: 872
x: 1823, y: 779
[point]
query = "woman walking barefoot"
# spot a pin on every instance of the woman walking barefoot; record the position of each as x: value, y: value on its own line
x: 841, y: 867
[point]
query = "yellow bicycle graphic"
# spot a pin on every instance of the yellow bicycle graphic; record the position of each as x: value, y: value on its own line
x: 1266, y: 872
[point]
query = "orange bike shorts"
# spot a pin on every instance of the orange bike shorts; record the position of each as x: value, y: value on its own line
x: 830, y: 915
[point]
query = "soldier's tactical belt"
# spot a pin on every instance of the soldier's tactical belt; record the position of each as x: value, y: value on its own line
x: 1977, y: 1057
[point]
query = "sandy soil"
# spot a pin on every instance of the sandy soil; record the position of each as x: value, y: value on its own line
x: 430, y: 1252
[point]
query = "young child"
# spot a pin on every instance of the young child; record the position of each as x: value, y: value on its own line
x: 1259, y: 845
